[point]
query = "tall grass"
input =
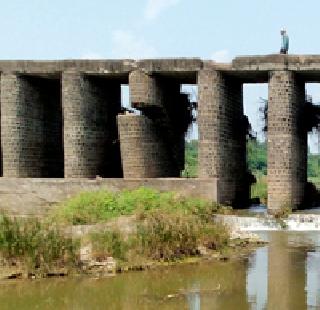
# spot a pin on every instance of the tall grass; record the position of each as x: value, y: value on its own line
x: 162, y: 236
x: 110, y: 243
x: 37, y: 245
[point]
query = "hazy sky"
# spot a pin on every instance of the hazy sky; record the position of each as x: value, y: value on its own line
x: 210, y: 29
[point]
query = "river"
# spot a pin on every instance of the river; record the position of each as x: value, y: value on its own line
x: 285, y: 274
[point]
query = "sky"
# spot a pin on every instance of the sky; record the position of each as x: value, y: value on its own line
x: 209, y: 29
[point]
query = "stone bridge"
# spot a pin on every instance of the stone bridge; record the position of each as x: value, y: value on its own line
x: 63, y: 119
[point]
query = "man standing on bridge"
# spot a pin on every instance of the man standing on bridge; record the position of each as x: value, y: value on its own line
x: 284, y: 42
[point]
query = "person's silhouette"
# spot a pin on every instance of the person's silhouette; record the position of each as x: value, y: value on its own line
x: 284, y: 42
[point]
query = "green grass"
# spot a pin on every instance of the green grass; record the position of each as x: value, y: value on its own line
x: 259, y: 189
x: 100, y: 206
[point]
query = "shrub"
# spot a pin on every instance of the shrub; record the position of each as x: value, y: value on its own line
x: 87, y: 207
x: 93, y: 207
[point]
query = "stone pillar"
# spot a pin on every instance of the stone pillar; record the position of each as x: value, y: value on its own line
x: 144, y: 90
x: 287, y: 141
x: 143, y: 152
x: 222, y: 148
x: 164, y: 109
x: 90, y: 106
x: 15, y: 158
x: 30, y: 121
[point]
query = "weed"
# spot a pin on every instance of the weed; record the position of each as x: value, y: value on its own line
x: 35, y: 244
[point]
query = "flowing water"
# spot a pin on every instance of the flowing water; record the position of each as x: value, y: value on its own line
x: 285, y: 274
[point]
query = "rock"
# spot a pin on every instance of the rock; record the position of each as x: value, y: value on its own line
x: 111, y: 264
x: 202, y: 250
x: 86, y: 253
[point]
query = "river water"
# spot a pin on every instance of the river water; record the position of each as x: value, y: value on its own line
x: 285, y: 274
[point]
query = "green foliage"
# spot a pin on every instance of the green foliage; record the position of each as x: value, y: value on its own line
x: 259, y: 189
x: 257, y: 164
x: 36, y: 244
x: 313, y: 166
x: 88, y: 207
x: 191, y: 159
x: 256, y: 159
x: 93, y: 207
x: 257, y: 156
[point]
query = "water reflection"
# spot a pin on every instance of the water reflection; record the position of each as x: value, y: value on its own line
x: 283, y: 275
x: 193, y: 297
x: 286, y: 274
x: 313, y: 280
x: 257, y: 279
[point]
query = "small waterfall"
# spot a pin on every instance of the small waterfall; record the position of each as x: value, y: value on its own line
x: 294, y: 222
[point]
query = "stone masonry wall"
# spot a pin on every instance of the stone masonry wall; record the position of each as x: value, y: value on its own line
x: 160, y: 100
x: 52, y: 144
x: 287, y: 140
x: 143, y: 152
x: 221, y: 136
x: 91, y: 144
x: 30, y: 127
x: 144, y: 90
